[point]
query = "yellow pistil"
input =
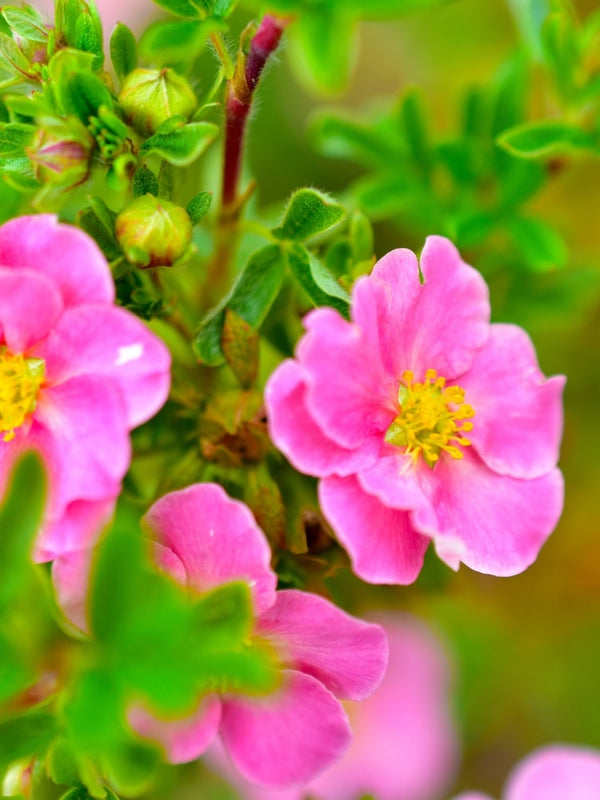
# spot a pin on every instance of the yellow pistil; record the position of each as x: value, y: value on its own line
x: 430, y: 418
x: 20, y: 382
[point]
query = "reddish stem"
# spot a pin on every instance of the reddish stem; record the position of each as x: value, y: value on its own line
x: 239, y: 99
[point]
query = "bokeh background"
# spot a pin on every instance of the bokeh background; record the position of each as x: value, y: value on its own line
x: 525, y: 650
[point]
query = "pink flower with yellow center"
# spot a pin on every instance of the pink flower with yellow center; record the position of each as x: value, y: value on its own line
x: 76, y: 375
x: 555, y: 772
x: 204, y: 539
x: 424, y: 422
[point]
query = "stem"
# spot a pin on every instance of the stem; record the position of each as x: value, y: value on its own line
x: 223, y: 54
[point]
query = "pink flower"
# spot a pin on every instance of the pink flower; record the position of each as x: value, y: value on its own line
x: 556, y: 772
x: 404, y: 745
x: 76, y: 375
x: 424, y: 422
x: 205, y: 539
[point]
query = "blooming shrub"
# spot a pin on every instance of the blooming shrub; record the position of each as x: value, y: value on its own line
x: 424, y: 422
x: 77, y: 374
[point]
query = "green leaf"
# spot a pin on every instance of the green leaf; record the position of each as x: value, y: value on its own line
x: 88, y: 34
x: 98, y: 222
x: 82, y: 94
x: 338, y: 137
x: 26, y: 22
x: 144, y: 182
x: 198, y: 206
x: 20, y: 518
x: 308, y: 212
x: 413, y: 122
x: 378, y: 9
x: 545, y: 138
x: 251, y: 297
x: 361, y: 237
x: 25, y: 736
x: 240, y: 345
x: 123, y: 50
x: 182, y: 8
x: 11, y: 57
x: 542, y: 247
x: 316, y: 280
x: 166, y: 43
x: 323, y: 48
x: 184, y: 144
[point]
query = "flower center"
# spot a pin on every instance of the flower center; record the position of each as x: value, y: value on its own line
x: 20, y: 381
x: 430, y: 418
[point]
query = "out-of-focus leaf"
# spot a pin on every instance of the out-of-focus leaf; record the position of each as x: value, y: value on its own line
x: 413, y: 122
x: 545, y: 138
x: 26, y: 22
x: 198, y: 206
x: 182, y: 145
x: 82, y: 94
x: 340, y: 137
x: 182, y: 8
x: 240, y: 343
x: 98, y: 222
x: 323, y: 47
x: 361, y: 236
x: 540, y: 244
x: 251, y: 297
x: 123, y: 50
x: 316, y: 280
x: 25, y: 736
x: 308, y: 212
x: 166, y: 43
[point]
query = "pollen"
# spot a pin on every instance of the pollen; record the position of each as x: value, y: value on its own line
x: 20, y: 382
x: 432, y: 419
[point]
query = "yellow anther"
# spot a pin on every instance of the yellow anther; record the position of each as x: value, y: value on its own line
x: 20, y: 382
x: 428, y: 420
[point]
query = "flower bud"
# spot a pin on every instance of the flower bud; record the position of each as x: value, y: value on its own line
x: 153, y: 232
x: 61, y: 153
x: 151, y: 96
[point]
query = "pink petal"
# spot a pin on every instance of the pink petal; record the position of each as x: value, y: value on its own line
x: 472, y: 796
x: 79, y: 526
x: 381, y: 542
x: 286, y: 738
x: 85, y: 420
x: 350, y: 396
x: 404, y: 744
x: 182, y: 739
x: 216, y: 539
x: 347, y: 655
x: 518, y: 413
x: 30, y: 304
x: 70, y: 576
x: 493, y: 523
x: 438, y: 325
x: 111, y: 342
x: 558, y: 772
x: 393, y: 480
x: 299, y: 437
x: 63, y: 253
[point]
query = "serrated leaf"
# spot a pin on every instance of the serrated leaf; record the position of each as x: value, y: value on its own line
x: 183, y: 145
x: 25, y: 736
x: 316, y: 280
x: 240, y: 344
x: 123, y: 50
x: 308, y: 213
x: 144, y: 182
x: 26, y: 22
x: 545, y: 138
x: 198, y: 206
x: 251, y: 297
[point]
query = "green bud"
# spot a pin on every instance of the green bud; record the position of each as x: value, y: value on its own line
x: 151, y: 96
x: 153, y: 232
x: 61, y: 153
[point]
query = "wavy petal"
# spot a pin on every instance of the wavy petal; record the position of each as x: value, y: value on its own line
x: 79, y: 526
x: 30, y: 304
x: 289, y: 736
x: 63, y: 253
x: 299, y: 437
x: 216, y: 539
x: 382, y: 543
x: 347, y: 655
x: 518, y: 413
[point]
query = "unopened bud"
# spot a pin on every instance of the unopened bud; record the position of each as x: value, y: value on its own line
x: 61, y: 153
x: 153, y: 232
x: 151, y: 96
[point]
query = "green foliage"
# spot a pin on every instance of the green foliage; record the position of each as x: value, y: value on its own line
x: 316, y: 280
x: 26, y: 22
x: 308, y: 213
x: 198, y: 206
x: 25, y: 736
x: 250, y: 298
x: 198, y: 9
x: 180, y: 144
x: 123, y: 50
x: 180, y: 42
x: 545, y: 138
x: 79, y: 23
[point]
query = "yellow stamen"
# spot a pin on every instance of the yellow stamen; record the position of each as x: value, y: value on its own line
x: 20, y: 382
x: 427, y: 422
